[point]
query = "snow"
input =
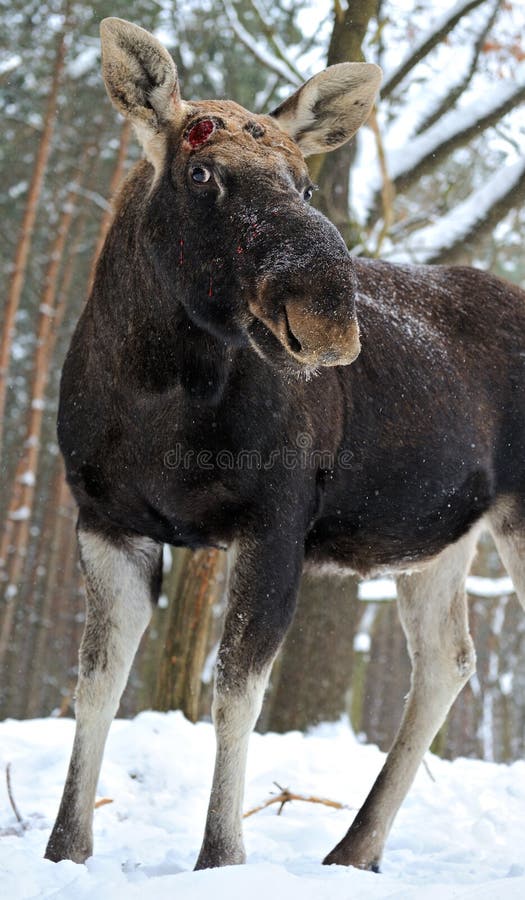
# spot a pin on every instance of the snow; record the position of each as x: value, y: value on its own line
x: 18, y: 515
x: 27, y: 478
x: 378, y: 589
x: 424, y: 243
x: 167, y: 559
x: 489, y: 587
x: 421, y: 92
x: 46, y: 310
x: 458, y: 836
x: 479, y: 586
x: 443, y: 72
x: 86, y: 61
x: 10, y: 63
x: 362, y: 642
x: 439, y: 23
x: 407, y: 156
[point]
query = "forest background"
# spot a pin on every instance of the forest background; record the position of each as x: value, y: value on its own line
x: 437, y: 176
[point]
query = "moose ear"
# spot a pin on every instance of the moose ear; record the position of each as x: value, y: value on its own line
x: 329, y: 108
x: 140, y: 76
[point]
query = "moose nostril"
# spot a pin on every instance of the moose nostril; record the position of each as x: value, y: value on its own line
x: 293, y: 343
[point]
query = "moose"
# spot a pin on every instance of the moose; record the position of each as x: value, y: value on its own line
x: 227, y: 313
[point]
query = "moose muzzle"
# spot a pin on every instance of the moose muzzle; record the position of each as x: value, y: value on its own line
x: 312, y: 317
x: 318, y: 339
x: 306, y: 287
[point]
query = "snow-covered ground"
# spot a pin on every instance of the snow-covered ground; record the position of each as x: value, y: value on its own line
x: 461, y: 835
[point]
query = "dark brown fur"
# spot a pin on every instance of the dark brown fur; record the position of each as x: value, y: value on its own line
x: 220, y: 327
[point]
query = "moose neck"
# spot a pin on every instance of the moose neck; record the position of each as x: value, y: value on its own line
x: 144, y: 332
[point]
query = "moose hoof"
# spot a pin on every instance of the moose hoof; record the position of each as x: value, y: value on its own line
x: 57, y: 850
x: 346, y: 856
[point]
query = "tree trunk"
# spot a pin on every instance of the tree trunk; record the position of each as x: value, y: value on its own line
x: 57, y: 539
x: 48, y: 592
x: 15, y: 537
x: 28, y: 222
x: 332, y: 170
x: 116, y: 178
x: 311, y: 678
x: 199, y: 586
x: 386, y: 679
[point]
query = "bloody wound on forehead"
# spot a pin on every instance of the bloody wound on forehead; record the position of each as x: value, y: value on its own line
x: 200, y: 132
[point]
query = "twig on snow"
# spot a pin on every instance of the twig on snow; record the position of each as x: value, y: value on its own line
x: 427, y: 770
x: 286, y: 796
x: 10, y: 794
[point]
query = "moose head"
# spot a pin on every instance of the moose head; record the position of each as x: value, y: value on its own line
x: 229, y: 225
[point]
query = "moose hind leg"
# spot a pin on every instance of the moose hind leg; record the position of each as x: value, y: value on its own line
x: 122, y: 575
x: 433, y: 611
x: 508, y: 530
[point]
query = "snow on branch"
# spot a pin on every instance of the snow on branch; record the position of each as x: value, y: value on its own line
x: 271, y: 62
x: 453, y: 130
x: 7, y: 66
x: 274, y: 39
x: 439, y: 30
x: 94, y: 196
x: 457, y: 87
x: 85, y: 61
x: 436, y: 242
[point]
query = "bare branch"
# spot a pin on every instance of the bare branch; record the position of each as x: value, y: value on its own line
x: 265, y: 99
x: 458, y: 89
x: 388, y: 192
x: 278, y: 47
x: 94, y: 196
x: 427, y: 770
x: 423, y: 154
x: 267, y: 59
x: 286, y: 796
x: 445, y: 241
x: 440, y: 30
x: 513, y: 198
x: 454, y: 130
x: 10, y: 794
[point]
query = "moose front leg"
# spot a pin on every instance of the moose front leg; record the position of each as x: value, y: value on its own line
x: 433, y: 611
x: 262, y: 595
x: 121, y: 575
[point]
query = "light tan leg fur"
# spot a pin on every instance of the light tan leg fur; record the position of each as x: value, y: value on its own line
x: 433, y: 611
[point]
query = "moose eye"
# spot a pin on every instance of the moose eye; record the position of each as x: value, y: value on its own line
x: 308, y: 193
x: 200, y: 174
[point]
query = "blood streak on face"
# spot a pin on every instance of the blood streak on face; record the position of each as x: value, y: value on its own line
x: 200, y: 132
